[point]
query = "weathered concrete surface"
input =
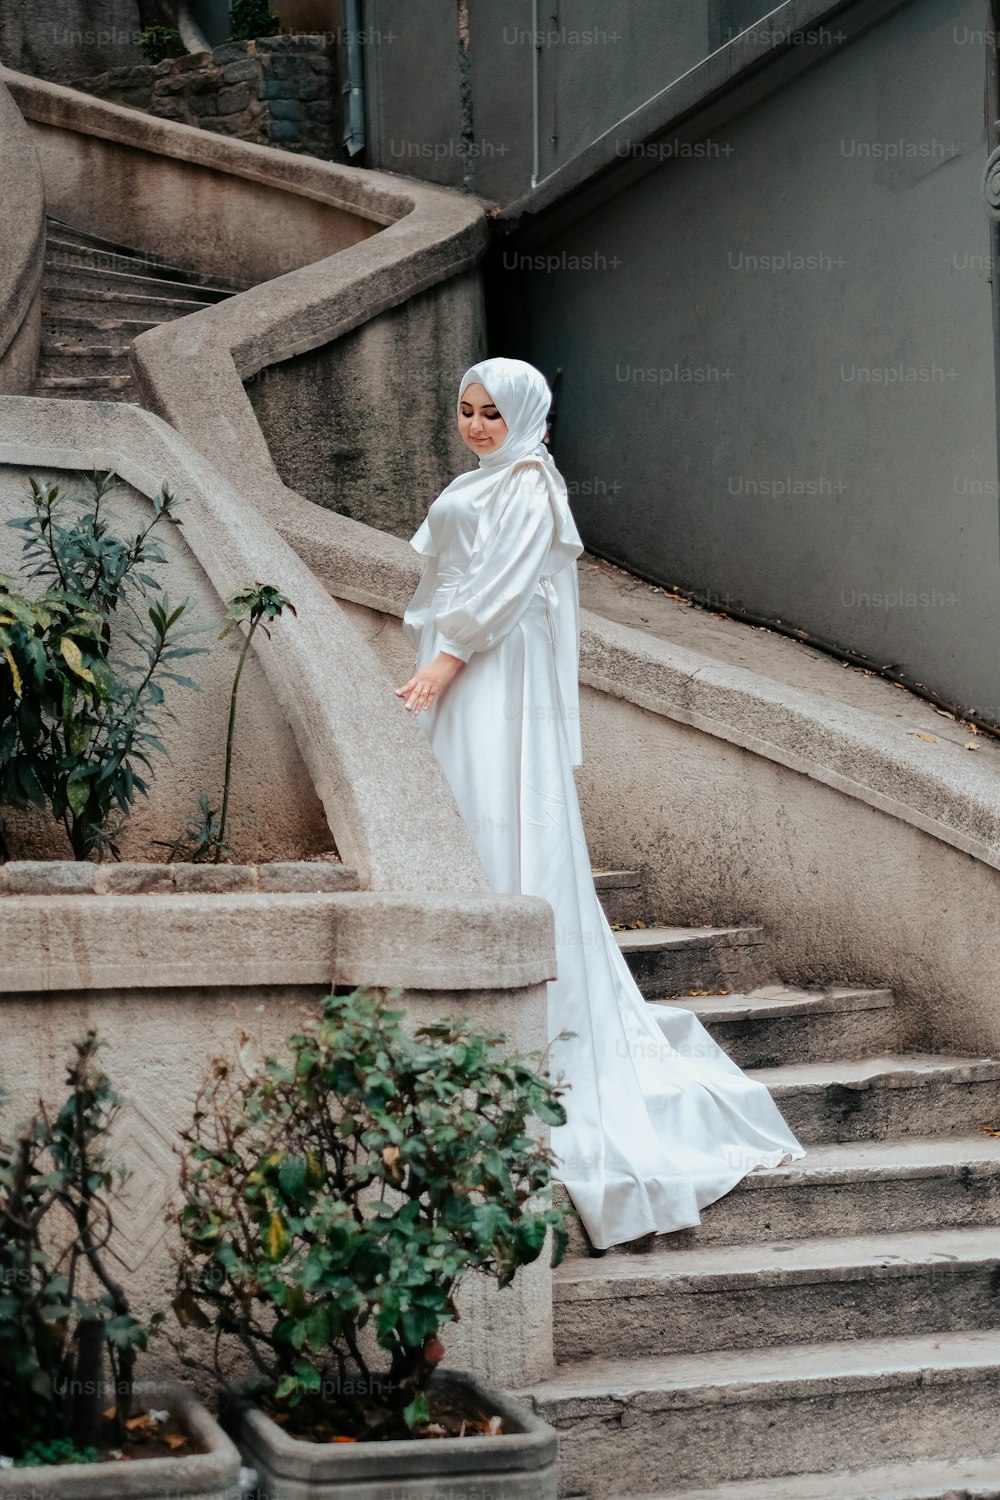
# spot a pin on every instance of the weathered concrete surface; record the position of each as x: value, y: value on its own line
x: 393, y: 376
x: 74, y: 35
x: 885, y: 1097
x: 708, y: 1418
x: 22, y: 240
x: 926, y: 1479
x: 439, y: 941
x: 209, y: 203
x: 756, y: 1295
x: 773, y: 1022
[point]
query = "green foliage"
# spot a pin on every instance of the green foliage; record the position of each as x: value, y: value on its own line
x: 158, y: 42
x: 359, y: 1181
x: 76, y: 724
x: 66, y: 1353
x: 203, y: 838
x: 252, y: 18
x: 58, y: 1451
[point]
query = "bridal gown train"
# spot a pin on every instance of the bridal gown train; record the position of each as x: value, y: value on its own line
x: 660, y: 1122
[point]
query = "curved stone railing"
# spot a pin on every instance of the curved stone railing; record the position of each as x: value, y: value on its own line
x: 22, y: 251
x: 868, y: 849
x: 337, y: 246
x: 365, y: 242
x: 401, y: 832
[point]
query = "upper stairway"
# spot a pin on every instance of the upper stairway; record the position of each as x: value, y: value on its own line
x: 832, y: 1326
x: 97, y: 296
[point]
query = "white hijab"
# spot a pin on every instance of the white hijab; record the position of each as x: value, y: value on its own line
x: 522, y: 396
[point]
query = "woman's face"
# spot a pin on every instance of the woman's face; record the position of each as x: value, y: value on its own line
x: 482, y: 427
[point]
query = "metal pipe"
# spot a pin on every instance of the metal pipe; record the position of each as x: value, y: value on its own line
x: 535, y: 122
x: 354, y: 129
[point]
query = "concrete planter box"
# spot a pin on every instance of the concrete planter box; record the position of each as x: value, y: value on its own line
x: 212, y: 1475
x: 519, y: 1465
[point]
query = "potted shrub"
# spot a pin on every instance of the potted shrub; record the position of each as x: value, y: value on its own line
x: 71, y: 1410
x: 331, y: 1204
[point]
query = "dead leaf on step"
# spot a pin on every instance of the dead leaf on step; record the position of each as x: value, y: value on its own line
x: 390, y: 1155
x: 971, y: 746
x: 928, y: 737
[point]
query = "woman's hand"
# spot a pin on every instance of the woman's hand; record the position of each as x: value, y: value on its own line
x: 430, y: 682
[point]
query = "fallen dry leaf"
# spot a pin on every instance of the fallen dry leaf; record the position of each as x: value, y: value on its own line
x: 928, y: 737
x: 390, y: 1155
x: 174, y: 1439
x: 971, y: 746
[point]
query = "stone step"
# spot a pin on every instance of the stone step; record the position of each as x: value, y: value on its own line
x: 101, y: 327
x: 66, y: 251
x: 667, y: 961
x: 82, y: 302
x: 709, y: 1419
x: 122, y: 284
x: 874, y: 1187
x: 907, y: 1094
x: 82, y: 236
x: 85, y: 387
x: 64, y: 358
x: 779, y: 1023
x: 620, y: 893
x: 757, y: 1295
x: 927, y: 1479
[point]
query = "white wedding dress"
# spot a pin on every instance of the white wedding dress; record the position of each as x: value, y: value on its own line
x: 660, y: 1121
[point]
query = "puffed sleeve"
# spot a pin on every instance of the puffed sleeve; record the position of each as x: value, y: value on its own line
x: 504, y: 574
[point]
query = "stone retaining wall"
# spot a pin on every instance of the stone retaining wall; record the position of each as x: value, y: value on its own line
x: 276, y: 91
x: 130, y: 877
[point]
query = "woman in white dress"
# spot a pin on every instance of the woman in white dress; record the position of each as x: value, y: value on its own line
x: 660, y: 1121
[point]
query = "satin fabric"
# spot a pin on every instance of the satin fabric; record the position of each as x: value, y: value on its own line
x: 660, y: 1122
x: 522, y: 396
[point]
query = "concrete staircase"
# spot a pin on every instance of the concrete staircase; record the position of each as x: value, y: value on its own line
x: 97, y: 296
x: 832, y: 1327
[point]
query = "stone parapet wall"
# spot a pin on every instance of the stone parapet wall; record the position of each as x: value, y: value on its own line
x: 130, y: 877
x: 275, y: 91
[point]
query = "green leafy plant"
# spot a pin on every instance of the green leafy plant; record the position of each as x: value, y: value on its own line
x: 67, y: 1353
x: 252, y: 18
x: 158, y: 42
x: 204, y: 838
x: 360, y: 1181
x: 76, y: 723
